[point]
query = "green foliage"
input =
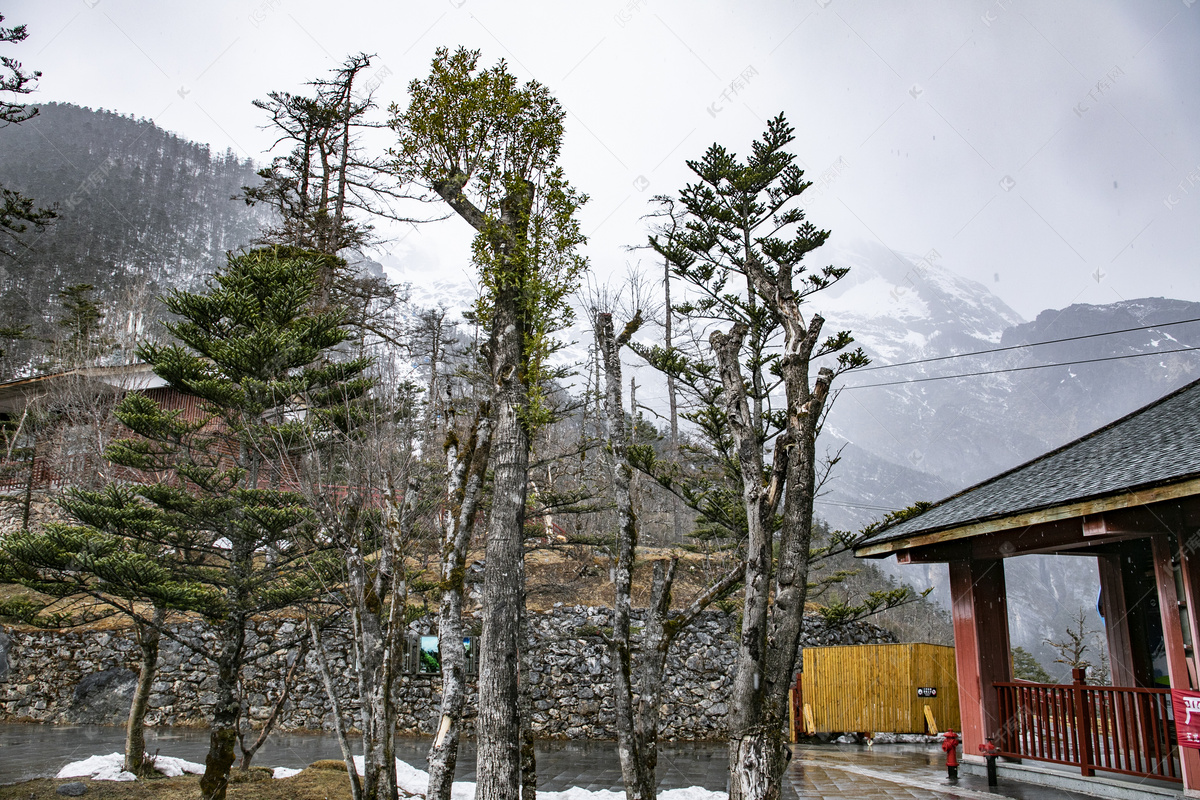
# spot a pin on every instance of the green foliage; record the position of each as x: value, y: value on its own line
x: 893, y: 518
x: 840, y: 612
x: 489, y: 147
x: 211, y: 530
x: 541, y: 271
x: 1027, y: 668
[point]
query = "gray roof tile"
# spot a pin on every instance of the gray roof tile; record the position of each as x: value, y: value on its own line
x: 1154, y: 445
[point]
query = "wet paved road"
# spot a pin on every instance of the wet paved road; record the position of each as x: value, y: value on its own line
x: 885, y: 772
x: 891, y: 772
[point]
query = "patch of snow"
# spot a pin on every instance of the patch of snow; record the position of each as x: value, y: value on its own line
x: 875, y: 297
x: 416, y: 781
x: 174, y: 767
x: 98, y: 768
x: 112, y: 768
x: 691, y: 793
x: 284, y: 772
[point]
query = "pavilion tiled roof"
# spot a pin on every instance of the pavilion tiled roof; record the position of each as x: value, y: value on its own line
x: 1156, y: 445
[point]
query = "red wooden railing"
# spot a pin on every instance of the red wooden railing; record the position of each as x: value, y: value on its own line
x: 1109, y: 728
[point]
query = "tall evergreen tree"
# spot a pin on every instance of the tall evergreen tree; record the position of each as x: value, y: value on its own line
x: 81, y: 339
x: 215, y: 533
x: 741, y: 251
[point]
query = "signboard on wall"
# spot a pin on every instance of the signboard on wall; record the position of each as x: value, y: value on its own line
x: 1186, y: 706
x: 926, y: 691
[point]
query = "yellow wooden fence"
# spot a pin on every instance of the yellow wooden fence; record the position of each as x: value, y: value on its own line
x: 878, y: 688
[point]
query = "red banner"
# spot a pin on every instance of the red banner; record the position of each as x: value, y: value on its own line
x: 1186, y: 706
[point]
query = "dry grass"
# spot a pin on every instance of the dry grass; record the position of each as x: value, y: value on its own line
x: 567, y: 575
x: 319, y: 782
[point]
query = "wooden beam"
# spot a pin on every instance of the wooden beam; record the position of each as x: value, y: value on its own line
x: 1156, y: 494
x: 1189, y: 561
x: 1060, y: 537
x: 1133, y: 521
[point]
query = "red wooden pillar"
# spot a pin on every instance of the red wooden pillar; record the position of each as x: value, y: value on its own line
x: 979, y: 605
x: 1163, y: 547
x: 1116, y: 621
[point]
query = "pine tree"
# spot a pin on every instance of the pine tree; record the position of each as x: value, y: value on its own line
x: 742, y: 249
x: 211, y: 531
x: 82, y: 339
x: 1027, y: 668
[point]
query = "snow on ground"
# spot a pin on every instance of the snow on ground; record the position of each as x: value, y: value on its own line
x: 111, y: 768
x: 409, y: 778
x: 415, y: 781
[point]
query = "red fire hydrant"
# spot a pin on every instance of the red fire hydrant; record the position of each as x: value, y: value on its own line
x: 950, y: 747
x: 988, y: 751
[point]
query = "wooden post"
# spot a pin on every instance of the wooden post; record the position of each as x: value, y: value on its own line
x: 1083, y: 723
x: 1163, y: 546
x: 979, y: 606
x: 1116, y: 621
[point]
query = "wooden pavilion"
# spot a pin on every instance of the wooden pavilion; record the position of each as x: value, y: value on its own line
x: 1129, y: 495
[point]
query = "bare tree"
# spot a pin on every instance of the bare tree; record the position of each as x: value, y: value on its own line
x: 638, y: 676
x: 1072, y: 649
x: 325, y: 176
x: 360, y: 477
x: 466, y: 465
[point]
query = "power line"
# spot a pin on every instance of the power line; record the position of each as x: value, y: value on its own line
x: 1022, y: 369
x: 854, y: 505
x: 1029, y: 344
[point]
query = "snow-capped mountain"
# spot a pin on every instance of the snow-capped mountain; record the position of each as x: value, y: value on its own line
x: 965, y: 429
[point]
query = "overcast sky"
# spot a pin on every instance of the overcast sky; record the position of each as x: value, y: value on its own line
x: 1048, y: 149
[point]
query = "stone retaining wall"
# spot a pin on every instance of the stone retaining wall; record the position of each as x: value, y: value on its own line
x: 68, y: 677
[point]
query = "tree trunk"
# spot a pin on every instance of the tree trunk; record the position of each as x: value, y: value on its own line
x: 746, y: 751
x: 628, y: 745
x: 27, y: 501
x: 465, y: 474
x: 223, y: 736
x: 135, y: 729
x: 499, y: 725
x: 499, y: 722
x: 649, y: 666
x: 672, y: 398
x: 379, y: 770
x: 757, y: 759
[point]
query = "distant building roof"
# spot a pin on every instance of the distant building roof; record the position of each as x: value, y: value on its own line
x: 14, y: 394
x: 1156, y: 446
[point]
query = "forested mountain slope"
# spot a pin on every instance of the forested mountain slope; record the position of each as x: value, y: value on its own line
x: 140, y: 209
